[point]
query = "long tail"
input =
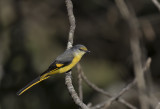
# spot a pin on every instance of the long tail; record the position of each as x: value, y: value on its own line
x: 31, y: 84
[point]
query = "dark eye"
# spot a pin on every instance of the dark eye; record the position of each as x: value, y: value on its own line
x: 80, y: 49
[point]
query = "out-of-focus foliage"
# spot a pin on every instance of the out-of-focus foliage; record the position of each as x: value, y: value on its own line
x: 34, y: 32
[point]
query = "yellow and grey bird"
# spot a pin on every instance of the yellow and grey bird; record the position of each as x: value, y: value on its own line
x: 62, y: 64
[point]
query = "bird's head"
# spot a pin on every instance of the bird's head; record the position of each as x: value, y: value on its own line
x: 79, y: 49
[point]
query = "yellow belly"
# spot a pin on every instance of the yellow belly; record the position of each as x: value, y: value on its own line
x: 70, y: 66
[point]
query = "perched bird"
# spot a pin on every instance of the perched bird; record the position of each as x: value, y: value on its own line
x: 62, y: 64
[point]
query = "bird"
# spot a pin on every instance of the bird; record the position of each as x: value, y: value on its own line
x: 63, y: 63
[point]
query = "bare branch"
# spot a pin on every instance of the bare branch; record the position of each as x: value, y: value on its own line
x: 158, y: 106
x: 148, y: 64
x: 148, y: 29
x: 110, y: 101
x: 136, y: 51
x: 73, y: 92
x: 68, y: 79
x: 157, y: 4
x: 93, y: 86
x: 72, y: 23
x: 80, y: 81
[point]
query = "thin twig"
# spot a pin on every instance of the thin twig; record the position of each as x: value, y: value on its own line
x: 136, y: 51
x: 157, y: 4
x: 148, y: 29
x: 2, y: 48
x: 101, y: 105
x: 111, y: 100
x: 124, y: 90
x: 72, y: 23
x: 93, y: 86
x: 72, y: 91
x: 158, y: 106
x: 68, y: 80
x: 148, y: 64
x: 80, y: 81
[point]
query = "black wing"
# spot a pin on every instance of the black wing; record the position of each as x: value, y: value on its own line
x: 56, y: 65
x: 61, y: 61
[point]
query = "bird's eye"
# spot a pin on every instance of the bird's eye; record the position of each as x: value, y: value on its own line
x: 80, y: 49
x: 83, y: 49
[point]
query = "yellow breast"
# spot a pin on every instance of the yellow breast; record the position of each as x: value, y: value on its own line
x: 75, y: 60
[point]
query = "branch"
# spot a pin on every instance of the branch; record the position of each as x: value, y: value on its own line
x: 111, y: 100
x: 72, y: 91
x: 68, y: 80
x: 69, y: 6
x: 80, y: 81
x: 124, y: 90
x: 158, y: 106
x: 93, y: 86
x: 157, y: 4
x: 136, y: 51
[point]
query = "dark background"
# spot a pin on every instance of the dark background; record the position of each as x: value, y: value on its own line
x: 34, y: 32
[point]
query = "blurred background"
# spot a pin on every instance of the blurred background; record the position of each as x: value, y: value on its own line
x: 34, y: 32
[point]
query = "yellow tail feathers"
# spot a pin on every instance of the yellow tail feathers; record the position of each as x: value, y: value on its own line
x: 31, y: 84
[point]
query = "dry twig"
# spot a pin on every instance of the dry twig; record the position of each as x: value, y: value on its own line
x: 111, y: 100
x: 136, y: 51
x: 158, y: 106
x: 80, y: 81
x: 93, y: 86
x: 157, y: 4
x: 72, y: 23
x: 68, y: 79
x: 72, y: 91
x: 124, y: 90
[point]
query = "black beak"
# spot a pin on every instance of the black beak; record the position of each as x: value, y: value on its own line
x: 87, y: 51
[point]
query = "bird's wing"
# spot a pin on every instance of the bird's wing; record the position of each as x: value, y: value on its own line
x: 56, y: 65
x: 61, y: 61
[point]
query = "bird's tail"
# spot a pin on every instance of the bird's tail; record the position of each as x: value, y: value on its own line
x: 32, y: 83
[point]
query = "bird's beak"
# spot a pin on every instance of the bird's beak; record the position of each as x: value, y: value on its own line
x: 87, y: 51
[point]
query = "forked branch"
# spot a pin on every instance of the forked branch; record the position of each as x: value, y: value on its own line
x: 68, y: 79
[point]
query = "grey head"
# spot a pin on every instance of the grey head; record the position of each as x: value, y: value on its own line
x: 79, y: 49
x: 70, y: 53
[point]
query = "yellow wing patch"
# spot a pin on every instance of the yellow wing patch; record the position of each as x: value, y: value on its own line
x: 59, y: 65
